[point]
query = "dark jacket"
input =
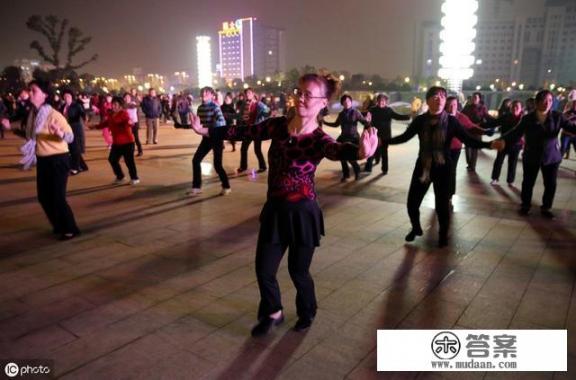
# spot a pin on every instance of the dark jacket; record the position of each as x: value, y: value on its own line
x: 382, y: 120
x: 541, y: 145
x: 75, y: 117
x: 348, y: 120
x: 452, y: 128
x: 151, y: 107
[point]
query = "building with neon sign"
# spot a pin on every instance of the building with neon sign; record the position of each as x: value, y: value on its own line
x: 247, y: 48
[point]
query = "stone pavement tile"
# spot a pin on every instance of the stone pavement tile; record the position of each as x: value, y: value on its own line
x: 75, y: 287
x: 488, y: 312
x: 366, y: 370
x: 185, y: 331
x: 96, y: 319
x: 219, y: 313
x: 231, y: 281
x: 129, y: 361
x: 11, y: 308
x: 180, y: 365
x: 433, y: 313
x: 41, y: 317
x: 40, y: 343
x: 99, y: 343
x: 534, y: 301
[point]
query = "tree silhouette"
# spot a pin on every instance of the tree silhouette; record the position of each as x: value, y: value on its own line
x: 54, y: 30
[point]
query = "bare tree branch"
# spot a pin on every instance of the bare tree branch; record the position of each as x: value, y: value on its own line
x: 74, y: 67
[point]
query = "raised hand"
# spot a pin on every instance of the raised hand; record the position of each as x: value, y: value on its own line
x: 6, y: 123
x: 498, y: 144
x: 368, y: 143
x: 56, y: 130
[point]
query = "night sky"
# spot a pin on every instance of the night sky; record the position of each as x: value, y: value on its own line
x: 369, y: 36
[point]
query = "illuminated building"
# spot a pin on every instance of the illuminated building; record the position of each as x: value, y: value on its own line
x: 247, y: 48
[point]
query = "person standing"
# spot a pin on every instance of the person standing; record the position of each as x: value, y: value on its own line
x: 291, y: 218
x: 74, y: 113
x: 382, y: 117
x: 252, y: 111
x: 131, y: 106
x: 230, y: 114
x: 540, y: 129
x: 435, y: 130
x: 120, y: 126
x: 152, y: 109
x: 452, y: 106
x: 211, y: 117
x: 478, y: 113
x: 507, y: 122
x: 47, y: 136
x: 348, y: 120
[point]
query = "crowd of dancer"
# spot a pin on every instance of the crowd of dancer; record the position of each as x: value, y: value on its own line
x: 291, y: 219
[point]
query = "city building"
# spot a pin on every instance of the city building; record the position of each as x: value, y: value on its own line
x: 535, y: 48
x: 248, y: 48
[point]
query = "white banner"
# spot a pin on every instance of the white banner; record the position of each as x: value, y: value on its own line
x: 472, y: 350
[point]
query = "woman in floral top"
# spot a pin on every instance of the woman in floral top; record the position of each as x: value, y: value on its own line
x: 291, y: 217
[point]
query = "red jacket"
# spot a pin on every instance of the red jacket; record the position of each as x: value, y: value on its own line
x: 120, y: 126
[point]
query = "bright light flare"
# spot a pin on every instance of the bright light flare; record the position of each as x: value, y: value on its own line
x: 457, y: 46
x: 204, y: 54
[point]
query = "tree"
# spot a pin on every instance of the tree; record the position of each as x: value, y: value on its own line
x: 11, y: 79
x: 54, y: 30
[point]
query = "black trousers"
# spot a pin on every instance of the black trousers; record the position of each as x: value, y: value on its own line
x: 512, y: 155
x: 51, y: 181
x: 217, y: 147
x: 268, y: 257
x: 549, y: 174
x: 440, y: 178
x: 135, y: 132
x: 126, y: 151
x: 76, y: 160
x: 471, y: 157
x: 455, y: 156
x: 257, y: 151
x: 354, y: 163
x: 381, y: 155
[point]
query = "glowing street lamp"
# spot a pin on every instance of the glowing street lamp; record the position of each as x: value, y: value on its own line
x: 457, y: 46
x: 204, y: 61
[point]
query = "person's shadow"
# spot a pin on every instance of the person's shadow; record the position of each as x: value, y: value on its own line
x: 277, y: 355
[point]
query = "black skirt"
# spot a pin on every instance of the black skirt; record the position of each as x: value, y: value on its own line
x: 291, y: 223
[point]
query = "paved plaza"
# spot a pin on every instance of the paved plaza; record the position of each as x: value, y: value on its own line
x: 162, y: 286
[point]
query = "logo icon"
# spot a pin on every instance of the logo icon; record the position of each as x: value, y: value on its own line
x: 11, y: 369
x: 445, y: 345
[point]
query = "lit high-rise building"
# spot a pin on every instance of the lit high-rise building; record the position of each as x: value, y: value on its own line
x: 247, y: 48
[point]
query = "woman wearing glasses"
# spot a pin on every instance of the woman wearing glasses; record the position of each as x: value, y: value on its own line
x: 291, y: 218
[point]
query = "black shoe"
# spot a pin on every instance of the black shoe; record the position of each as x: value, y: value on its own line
x: 261, y: 170
x: 523, y: 211
x: 240, y: 170
x: 265, y: 325
x: 139, y: 154
x: 367, y: 170
x: 303, y: 324
x: 68, y: 236
x: 384, y: 172
x: 412, y: 234
x: 547, y: 213
x: 344, y: 179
